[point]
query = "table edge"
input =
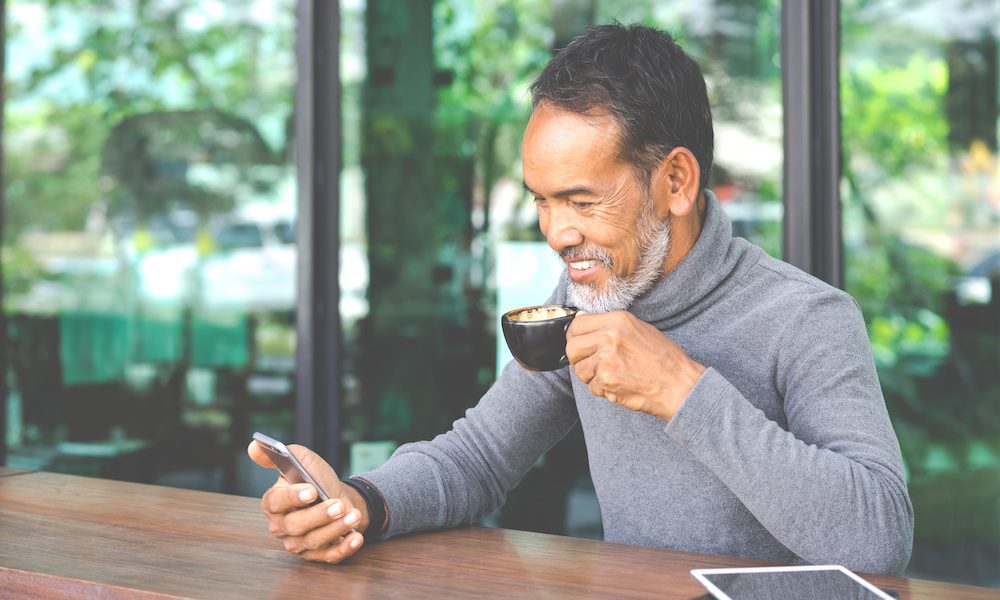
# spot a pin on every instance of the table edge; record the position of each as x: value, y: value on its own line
x: 36, y: 584
x: 16, y: 472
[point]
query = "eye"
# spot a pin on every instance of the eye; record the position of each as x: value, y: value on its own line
x: 539, y: 201
x: 582, y: 205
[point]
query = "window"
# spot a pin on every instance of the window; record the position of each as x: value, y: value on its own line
x: 149, y: 299
x: 921, y: 211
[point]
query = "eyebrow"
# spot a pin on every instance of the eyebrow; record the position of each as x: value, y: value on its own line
x: 579, y: 190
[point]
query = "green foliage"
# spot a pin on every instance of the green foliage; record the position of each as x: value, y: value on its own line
x: 50, y: 153
x: 92, y: 65
x: 939, y: 385
x: 888, y: 276
x: 893, y: 115
x: 492, y: 51
x: 20, y: 271
x: 916, y: 346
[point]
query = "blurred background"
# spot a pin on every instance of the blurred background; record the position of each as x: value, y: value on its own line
x: 149, y: 248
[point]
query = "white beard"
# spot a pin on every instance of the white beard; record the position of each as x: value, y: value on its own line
x: 618, y: 293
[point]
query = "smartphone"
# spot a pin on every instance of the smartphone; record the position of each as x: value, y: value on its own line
x: 290, y: 467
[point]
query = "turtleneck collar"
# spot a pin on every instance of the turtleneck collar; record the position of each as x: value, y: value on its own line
x: 691, y: 286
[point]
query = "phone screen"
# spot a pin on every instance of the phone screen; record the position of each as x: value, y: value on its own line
x: 798, y: 585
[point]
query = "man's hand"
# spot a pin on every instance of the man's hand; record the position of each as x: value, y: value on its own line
x: 324, y: 532
x: 630, y: 362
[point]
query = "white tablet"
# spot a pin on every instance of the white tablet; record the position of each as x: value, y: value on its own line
x: 822, y: 582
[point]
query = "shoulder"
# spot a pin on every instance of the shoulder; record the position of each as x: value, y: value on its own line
x: 792, y: 290
x: 802, y: 315
x: 816, y: 327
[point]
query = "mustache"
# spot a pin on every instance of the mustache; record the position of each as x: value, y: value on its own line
x: 574, y: 253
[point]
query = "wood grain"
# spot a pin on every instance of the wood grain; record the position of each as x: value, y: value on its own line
x: 70, y: 537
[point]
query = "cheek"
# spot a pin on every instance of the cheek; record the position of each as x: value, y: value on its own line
x: 629, y: 251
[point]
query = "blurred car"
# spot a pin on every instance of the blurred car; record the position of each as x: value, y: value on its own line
x: 251, y: 267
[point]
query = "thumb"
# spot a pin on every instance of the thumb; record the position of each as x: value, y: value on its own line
x: 260, y: 457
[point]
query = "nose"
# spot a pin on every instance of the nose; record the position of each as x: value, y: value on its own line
x: 560, y: 229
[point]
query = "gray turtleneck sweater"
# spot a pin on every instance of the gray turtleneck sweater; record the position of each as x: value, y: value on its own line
x: 783, y: 451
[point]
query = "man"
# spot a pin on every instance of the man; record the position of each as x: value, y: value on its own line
x: 729, y: 401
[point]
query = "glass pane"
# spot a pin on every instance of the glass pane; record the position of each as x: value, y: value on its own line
x: 149, y: 276
x: 439, y: 237
x: 921, y: 201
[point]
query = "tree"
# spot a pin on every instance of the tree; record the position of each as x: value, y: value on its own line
x: 80, y: 71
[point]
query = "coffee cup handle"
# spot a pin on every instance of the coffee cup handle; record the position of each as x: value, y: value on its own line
x: 563, y: 360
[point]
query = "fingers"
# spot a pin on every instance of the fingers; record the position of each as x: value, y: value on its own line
x: 320, y: 538
x: 317, y: 528
x: 579, y: 347
x: 596, y: 387
x: 303, y: 522
x: 585, y: 368
x: 588, y: 334
x: 321, y: 531
x: 337, y: 552
x: 585, y: 323
x: 588, y: 372
x: 282, y: 498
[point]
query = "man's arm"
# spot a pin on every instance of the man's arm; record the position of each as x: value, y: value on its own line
x: 831, y: 487
x: 459, y: 477
x: 462, y: 475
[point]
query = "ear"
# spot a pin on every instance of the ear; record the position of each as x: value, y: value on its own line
x: 675, y: 183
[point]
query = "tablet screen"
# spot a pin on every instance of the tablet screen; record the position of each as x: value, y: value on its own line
x: 792, y: 584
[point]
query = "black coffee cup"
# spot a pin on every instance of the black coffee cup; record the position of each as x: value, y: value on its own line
x: 536, y: 335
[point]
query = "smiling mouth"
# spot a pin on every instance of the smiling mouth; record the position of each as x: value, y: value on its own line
x: 584, y: 271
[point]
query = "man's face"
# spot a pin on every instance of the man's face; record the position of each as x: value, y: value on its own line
x: 592, y: 208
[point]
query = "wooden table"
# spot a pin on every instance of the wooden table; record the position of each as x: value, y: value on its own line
x: 71, y: 537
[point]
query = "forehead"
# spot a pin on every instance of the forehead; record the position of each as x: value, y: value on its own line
x: 554, y: 134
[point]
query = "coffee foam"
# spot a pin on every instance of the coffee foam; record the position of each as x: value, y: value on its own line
x: 542, y: 313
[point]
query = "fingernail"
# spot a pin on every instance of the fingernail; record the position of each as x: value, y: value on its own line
x: 335, y: 509
x: 306, y: 494
x: 355, y: 543
x: 352, y: 517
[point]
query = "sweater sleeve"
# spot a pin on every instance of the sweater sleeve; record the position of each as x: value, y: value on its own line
x: 830, y: 487
x: 462, y: 475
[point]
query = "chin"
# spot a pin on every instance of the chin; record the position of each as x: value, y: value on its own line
x: 594, y: 299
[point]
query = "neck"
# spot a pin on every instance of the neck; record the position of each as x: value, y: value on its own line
x: 684, y: 232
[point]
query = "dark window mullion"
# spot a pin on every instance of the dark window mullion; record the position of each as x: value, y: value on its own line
x: 3, y: 185
x: 318, y: 157
x: 810, y: 75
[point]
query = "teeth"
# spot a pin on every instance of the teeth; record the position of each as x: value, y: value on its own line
x: 583, y: 264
